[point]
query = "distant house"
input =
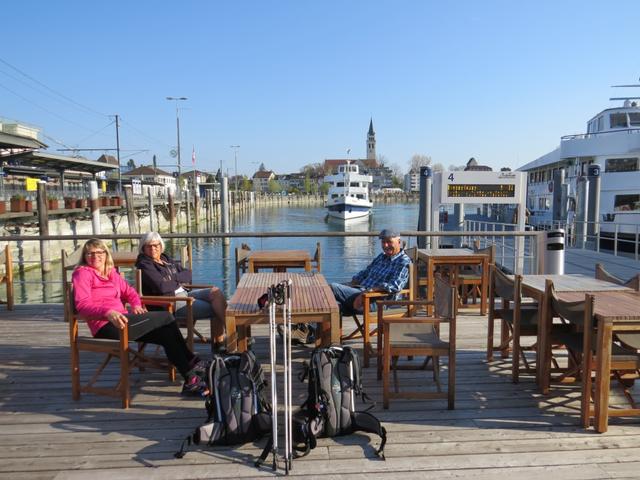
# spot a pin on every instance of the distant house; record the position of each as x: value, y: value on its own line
x: 158, y: 180
x: 472, y: 165
x: 187, y: 178
x: 412, y: 182
x: 261, y: 180
x: 292, y: 181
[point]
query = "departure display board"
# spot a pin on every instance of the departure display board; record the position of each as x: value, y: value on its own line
x: 482, y: 187
x: 500, y: 190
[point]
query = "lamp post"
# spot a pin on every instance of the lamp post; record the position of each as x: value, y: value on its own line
x: 177, y: 99
x: 235, y: 163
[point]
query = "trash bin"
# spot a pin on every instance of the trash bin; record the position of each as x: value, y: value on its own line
x: 551, y: 252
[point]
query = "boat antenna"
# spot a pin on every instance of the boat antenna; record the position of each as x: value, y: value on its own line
x: 625, y: 86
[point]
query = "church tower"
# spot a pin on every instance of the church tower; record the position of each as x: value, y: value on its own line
x: 371, y: 142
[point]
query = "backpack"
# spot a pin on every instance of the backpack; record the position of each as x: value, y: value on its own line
x: 238, y: 410
x: 335, y: 380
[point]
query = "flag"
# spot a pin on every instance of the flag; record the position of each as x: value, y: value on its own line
x: 193, y: 156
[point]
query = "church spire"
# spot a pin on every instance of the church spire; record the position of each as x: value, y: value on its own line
x: 371, y: 142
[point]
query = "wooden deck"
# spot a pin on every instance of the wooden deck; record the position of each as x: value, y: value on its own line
x: 497, y: 428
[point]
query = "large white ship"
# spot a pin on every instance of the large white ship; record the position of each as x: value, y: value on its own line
x: 612, y: 142
x: 348, y: 195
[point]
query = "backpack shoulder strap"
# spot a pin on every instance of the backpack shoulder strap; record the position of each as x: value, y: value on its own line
x: 366, y: 422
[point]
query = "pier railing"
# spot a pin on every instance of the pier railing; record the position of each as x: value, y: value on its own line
x: 38, y: 280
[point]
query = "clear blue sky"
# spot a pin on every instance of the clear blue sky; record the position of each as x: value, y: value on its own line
x: 295, y: 82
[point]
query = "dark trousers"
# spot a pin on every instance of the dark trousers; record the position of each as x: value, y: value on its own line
x: 158, y: 328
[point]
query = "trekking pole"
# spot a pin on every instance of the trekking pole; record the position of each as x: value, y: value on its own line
x: 274, y: 390
x: 289, y: 417
x: 286, y: 333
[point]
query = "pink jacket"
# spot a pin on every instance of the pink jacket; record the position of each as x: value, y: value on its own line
x: 95, y: 296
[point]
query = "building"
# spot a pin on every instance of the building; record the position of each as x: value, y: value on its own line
x: 160, y: 182
x: 412, y: 182
x: 261, y: 180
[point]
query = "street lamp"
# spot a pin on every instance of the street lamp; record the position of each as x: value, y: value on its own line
x: 177, y: 99
x: 235, y: 162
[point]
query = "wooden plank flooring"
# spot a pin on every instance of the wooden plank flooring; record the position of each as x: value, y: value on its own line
x: 497, y: 428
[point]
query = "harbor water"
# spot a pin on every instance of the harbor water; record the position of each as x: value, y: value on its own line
x: 213, y: 263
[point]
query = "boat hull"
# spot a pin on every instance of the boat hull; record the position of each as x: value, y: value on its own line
x: 347, y: 212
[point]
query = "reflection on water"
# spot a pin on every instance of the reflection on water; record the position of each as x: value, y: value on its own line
x: 213, y: 263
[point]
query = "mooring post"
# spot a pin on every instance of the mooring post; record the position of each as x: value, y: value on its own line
x: 172, y: 213
x: 152, y: 221
x: 131, y: 215
x: 224, y: 204
x: 94, y: 207
x: 43, y: 225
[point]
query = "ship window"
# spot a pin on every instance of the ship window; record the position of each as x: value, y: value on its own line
x: 599, y: 124
x: 621, y: 165
x: 618, y: 120
x: 335, y: 195
x: 626, y: 203
x: 354, y: 184
x: 340, y: 184
x: 634, y: 119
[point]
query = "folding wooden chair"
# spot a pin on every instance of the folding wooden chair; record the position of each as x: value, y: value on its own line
x: 242, y: 261
x: 415, y: 334
x: 317, y: 257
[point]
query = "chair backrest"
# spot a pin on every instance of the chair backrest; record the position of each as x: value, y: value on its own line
x: 573, y: 312
x: 602, y: 274
x: 502, y: 286
x: 242, y: 253
x: 490, y: 251
x: 317, y: 257
x: 444, y: 297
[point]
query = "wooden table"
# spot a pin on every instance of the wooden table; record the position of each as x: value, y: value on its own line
x: 312, y: 301
x: 278, y: 260
x: 456, y: 257
x: 614, y: 312
x: 534, y: 286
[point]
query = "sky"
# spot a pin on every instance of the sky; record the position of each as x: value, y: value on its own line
x: 296, y: 82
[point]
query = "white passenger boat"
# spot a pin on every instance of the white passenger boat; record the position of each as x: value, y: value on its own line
x: 612, y: 142
x: 348, y: 195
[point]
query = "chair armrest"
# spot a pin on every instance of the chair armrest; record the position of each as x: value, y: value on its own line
x: 161, y: 299
x: 432, y: 320
x: 189, y: 286
x: 404, y: 303
x: 376, y: 294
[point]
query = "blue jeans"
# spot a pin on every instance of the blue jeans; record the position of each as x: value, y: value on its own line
x: 345, y: 296
x: 201, y: 306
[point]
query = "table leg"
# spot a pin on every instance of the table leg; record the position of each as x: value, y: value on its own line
x: 603, y: 365
x: 430, y: 282
x: 484, y: 284
x: 307, y: 265
x: 543, y: 352
x: 334, y: 325
x: 243, y: 334
x: 232, y: 335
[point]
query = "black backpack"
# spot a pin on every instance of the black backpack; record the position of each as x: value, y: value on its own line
x: 238, y: 410
x: 334, y: 375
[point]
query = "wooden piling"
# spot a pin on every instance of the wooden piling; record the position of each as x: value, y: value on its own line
x: 43, y: 226
x: 131, y: 214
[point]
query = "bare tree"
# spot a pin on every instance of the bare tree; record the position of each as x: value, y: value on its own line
x: 418, y: 161
x: 438, y: 167
x: 454, y: 168
x: 382, y: 160
x: 397, y: 170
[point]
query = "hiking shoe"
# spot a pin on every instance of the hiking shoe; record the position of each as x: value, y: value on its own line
x: 301, y: 333
x: 199, y: 367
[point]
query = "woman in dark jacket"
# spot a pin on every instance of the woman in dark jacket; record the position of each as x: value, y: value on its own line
x: 161, y: 275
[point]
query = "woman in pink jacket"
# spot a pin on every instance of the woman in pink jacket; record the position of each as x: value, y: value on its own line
x: 100, y: 295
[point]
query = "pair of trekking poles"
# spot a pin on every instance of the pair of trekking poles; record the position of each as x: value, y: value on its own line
x: 280, y: 294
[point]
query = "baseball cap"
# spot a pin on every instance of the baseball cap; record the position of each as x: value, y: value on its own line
x: 388, y: 233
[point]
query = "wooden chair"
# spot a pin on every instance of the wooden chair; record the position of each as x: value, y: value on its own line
x: 517, y: 320
x: 469, y: 281
x: 126, y: 352
x: 317, y: 258
x: 366, y: 328
x: 416, y: 334
x: 169, y: 302
x: 242, y: 260
x: 186, y: 257
x: 625, y: 362
x: 7, y: 276
x: 602, y: 274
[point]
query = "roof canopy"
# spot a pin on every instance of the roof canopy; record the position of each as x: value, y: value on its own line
x: 8, y: 140
x: 48, y: 162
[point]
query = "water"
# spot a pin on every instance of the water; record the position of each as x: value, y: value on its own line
x: 214, y: 264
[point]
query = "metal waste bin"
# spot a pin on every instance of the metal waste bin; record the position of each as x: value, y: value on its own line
x: 551, y: 252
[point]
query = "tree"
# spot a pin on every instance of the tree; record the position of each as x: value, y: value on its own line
x: 418, y: 161
x: 324, y: 188
x: 274, y: 187
x: 314, y: 170
x: 131, y: 164
x: 382, y: 160
x: 454, y: 168
x: 247, y: 186
x: 310, y: 186
x: 438, y: 167
x: 398, y: 176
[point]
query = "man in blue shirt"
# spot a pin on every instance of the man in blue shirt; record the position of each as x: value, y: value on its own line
x: 389, y: 272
